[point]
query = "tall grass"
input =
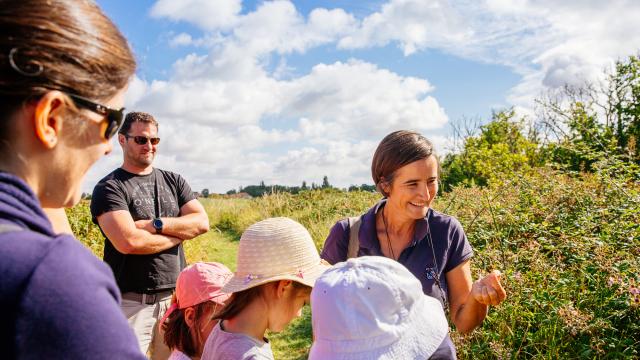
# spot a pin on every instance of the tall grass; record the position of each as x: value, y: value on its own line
x: 569, y: 248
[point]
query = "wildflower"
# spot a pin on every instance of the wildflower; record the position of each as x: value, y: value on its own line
x: 499, y: 350
x: 517, y: 275
x: 576, y: 322
x: 611, y: 281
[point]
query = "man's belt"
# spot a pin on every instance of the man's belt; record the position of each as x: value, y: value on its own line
x: 148, y: 299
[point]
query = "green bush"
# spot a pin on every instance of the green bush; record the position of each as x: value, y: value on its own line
x: 500, y: 149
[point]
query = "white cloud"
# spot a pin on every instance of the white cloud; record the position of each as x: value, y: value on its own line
x: 207, y: 14
x: 343, y: 162
x: 356, y: 100
x: 414, y: 24
x: 278, y: 26
x: 185, y: 39
x: 182, y: 39
x: 211, y: 102
x: 137, y: 89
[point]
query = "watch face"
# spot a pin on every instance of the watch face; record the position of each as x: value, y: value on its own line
x: 157, y: 224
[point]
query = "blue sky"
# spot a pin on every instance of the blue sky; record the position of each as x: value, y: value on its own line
x: 281, y: 92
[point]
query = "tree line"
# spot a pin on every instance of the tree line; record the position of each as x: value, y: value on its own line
x: 263, y: 189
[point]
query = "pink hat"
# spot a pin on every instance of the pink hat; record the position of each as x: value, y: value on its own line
x: 198, y: 283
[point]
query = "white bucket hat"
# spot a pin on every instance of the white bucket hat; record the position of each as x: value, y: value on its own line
x: 275, y: 249
x: 372, y: 307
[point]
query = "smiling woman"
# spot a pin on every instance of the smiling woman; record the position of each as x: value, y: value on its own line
x: 403, y: 227
x: 64, y: 68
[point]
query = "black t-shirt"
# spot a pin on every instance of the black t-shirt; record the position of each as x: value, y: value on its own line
x: 122, y: 190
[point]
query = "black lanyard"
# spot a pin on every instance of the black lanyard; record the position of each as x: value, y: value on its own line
x: 436, y: 274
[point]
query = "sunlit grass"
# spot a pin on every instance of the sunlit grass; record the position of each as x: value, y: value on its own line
x: 213, y: 246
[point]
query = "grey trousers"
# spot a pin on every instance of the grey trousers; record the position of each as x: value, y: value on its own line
x: 144, y: 320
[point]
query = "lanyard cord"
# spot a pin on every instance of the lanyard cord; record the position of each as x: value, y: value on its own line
x: 384, y: 221
x: 436, y: 274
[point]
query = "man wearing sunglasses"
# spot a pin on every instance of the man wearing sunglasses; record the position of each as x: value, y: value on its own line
x: 145, y: 213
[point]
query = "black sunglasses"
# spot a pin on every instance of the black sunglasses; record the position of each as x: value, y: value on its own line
x: 113, y: 117
x: 142, y: 140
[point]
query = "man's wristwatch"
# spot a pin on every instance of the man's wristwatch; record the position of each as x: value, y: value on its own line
x: 157, y: 224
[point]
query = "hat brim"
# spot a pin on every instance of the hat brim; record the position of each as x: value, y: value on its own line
x: 424, y: 333
x: 221, y: 299
x: 308, y: 277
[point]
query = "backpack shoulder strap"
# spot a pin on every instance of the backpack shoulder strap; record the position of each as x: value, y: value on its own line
x: 354, y: 241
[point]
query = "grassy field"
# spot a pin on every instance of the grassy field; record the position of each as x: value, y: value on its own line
x: 569, y: 247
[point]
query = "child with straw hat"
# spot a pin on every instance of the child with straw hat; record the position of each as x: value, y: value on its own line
x: 277, y: 266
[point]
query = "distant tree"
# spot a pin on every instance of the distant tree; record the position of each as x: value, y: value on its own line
x: 365, y: 187
x: 304, y: 185
x: 325, y: 182
x: 585, y: 124
x: 231, y: 192
x: 255, y: 190
x: 205, y: 193
x: 262, y: 186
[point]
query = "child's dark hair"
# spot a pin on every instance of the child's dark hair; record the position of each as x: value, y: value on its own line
x: 177, y: 334
x: 241, y: 299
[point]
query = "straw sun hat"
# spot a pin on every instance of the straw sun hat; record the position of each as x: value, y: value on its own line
x: 275, y: 249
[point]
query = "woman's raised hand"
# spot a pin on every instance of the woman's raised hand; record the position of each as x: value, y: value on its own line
x: 488, y: 290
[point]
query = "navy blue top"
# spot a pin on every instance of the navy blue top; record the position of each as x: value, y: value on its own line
x: 451, y: 249
x: 58, y: 300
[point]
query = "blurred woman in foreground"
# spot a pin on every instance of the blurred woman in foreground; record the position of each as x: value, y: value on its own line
x: 64, y: 68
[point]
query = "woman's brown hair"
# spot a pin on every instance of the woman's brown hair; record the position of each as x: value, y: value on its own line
x: 395, y: 151
x: 66, y: 45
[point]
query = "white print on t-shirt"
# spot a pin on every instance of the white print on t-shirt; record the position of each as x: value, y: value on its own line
x: 143, y: 196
